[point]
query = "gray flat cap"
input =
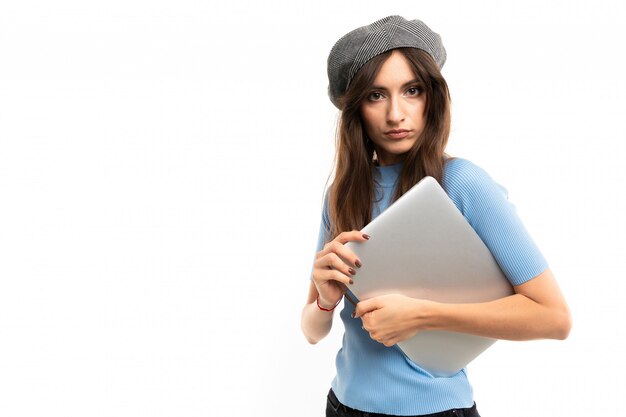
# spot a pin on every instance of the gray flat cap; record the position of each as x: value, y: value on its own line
x: 357, y: 47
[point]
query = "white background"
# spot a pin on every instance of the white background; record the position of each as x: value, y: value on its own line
x: 162, y: 166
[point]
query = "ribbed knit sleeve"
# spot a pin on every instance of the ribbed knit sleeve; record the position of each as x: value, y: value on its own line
x: 324, y: 225
x: 485, y: 205
x: 324, y: 230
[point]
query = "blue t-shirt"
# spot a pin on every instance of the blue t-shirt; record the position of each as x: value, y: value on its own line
x: 374, y: 378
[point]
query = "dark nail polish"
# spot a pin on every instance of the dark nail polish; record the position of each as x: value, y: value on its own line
x: 351, y: 282
x: 358, y: 263
x: 353, y: 314
x: 366, y: 236
x: 352, y: 271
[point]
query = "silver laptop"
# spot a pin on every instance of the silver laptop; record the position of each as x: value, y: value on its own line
x: 422, y: 246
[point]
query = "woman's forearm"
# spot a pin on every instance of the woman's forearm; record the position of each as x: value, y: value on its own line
x: 516, y: 317
x: 315, y: 323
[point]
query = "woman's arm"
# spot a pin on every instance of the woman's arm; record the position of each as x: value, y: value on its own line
x: 537, y: 310
x: 315, y: 323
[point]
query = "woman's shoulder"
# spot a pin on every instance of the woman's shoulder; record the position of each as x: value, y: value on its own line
x: 462, y: 170
x: 462, y: 176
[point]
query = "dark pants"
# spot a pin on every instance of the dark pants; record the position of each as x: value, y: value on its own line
x: 335, y: 409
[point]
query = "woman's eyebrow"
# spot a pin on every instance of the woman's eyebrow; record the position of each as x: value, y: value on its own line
x: 406, y: 84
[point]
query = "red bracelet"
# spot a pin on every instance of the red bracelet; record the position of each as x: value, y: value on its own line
x: 325, y: 309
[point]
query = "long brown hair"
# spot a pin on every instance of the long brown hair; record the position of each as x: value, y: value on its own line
x: 352, y: 191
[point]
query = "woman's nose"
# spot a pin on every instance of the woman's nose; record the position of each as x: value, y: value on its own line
x: 395, y: 112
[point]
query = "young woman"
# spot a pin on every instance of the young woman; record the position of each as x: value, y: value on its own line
x: 395, y: 121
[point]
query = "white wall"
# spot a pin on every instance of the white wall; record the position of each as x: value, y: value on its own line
x: 161, y: 172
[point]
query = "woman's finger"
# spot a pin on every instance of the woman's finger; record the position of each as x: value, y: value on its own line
x: 326, y: 274
x: 350, y: 236
x: 345, y: 253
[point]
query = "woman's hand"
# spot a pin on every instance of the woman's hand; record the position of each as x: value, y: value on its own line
x: 392, y: 318
x: 334, y: 267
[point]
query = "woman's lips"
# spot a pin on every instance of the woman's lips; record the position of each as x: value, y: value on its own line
x: 398, y: 134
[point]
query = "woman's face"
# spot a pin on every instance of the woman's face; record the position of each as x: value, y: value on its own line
x: 393, y: 112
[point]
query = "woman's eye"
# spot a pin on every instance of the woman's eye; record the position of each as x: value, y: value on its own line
x: 413, y: 91
x: 375, y: 96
